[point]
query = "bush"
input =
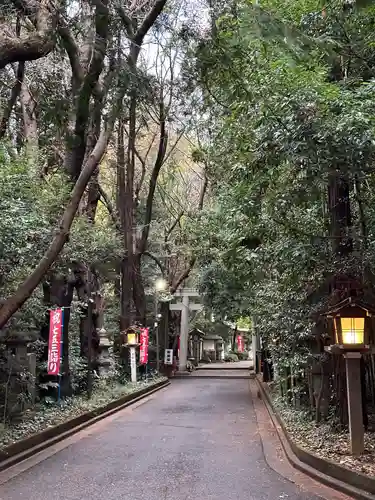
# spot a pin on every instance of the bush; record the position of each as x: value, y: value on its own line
x: 231, y: 357
x: 242, y: 356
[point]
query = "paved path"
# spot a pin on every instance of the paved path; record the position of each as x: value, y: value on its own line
x: 196, y: 440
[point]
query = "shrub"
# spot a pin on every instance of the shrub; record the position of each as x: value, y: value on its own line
x: 242, y: 356
x: 231, y: 357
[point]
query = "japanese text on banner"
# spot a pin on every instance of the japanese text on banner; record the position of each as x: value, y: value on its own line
x: 143, y: 352
x: 240, y: 345
x: 54, y: 344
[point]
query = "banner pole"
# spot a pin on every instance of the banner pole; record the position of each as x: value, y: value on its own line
x: 61, y: 354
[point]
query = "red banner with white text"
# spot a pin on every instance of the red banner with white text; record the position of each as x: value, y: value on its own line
x: 54, y: 344
x: 143, y: 350
x: 240, y: 345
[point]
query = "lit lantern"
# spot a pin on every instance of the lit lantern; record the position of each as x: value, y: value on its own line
x: 349, y: 331
x: 350, y: 323
x: 132, y: 337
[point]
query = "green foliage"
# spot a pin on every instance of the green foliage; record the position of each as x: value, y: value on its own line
x: 231, y: 357
x: 30, y: 209
x: 287, y: 116
x: 242, y: 356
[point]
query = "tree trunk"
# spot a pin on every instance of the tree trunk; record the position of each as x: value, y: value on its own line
x: 234, y: 338
x: 30, y: 125
x: 87, y: 286
x: 339, y: 207
x: 4, y: 122
x: 139, y: 295
x: 93, y: 195
x: 125, y: 269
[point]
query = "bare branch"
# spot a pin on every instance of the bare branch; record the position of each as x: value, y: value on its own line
x: 155, y: 259
x: 126, y: 21
x: 203, y: 192
x: 148, y: 22
x: 171, y: 229
x: 108, y: 204
x: 163, y: 141
x: 184, y: 275
x: 143, y: 164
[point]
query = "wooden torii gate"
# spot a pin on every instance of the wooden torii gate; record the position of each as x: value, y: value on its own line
x: 185, y: 306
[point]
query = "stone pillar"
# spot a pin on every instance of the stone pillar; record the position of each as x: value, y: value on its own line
x: 105, y: 360
x: 354, y: 389
x: 32, y: 382
x: 184, y: 333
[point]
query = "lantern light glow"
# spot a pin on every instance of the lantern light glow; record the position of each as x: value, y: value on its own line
x: 353, y: 330
x: 161, y: 285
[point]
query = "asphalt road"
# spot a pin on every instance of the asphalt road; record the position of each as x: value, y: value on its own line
x: 196, y: 440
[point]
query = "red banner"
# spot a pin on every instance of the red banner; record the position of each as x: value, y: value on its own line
x: 54, y: 344
x: 240, y: 343
x: 143, y: 350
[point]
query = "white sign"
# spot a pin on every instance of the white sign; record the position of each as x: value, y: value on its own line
x: 133, y: 364
x: 168, y: 357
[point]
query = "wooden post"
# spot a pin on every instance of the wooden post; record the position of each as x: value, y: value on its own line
x: 354, y: 390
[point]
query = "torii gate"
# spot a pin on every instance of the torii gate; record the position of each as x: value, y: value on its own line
x: 185, y: 307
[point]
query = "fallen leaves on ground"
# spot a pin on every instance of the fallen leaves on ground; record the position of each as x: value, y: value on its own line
x: 325, y: 442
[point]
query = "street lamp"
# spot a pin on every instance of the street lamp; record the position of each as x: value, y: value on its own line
x: 160, y: 285
x: 351, y: 328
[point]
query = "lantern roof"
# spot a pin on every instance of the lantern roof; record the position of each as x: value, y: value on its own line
x: 349, y: 302
x: 197, y: 332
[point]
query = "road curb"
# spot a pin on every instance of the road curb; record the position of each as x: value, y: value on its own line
x: 25, y: 448
x: 325, y: 471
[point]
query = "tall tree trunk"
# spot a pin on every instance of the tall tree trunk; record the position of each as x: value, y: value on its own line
x: 127, y: 217
x: 139, y: 294
x: 340, y: 213
x: 30, y: 128
x: 125, y: 271
x: 87, y: 286
x: 93, y: 195
x: 16, y: 89
x: 234, y: 338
